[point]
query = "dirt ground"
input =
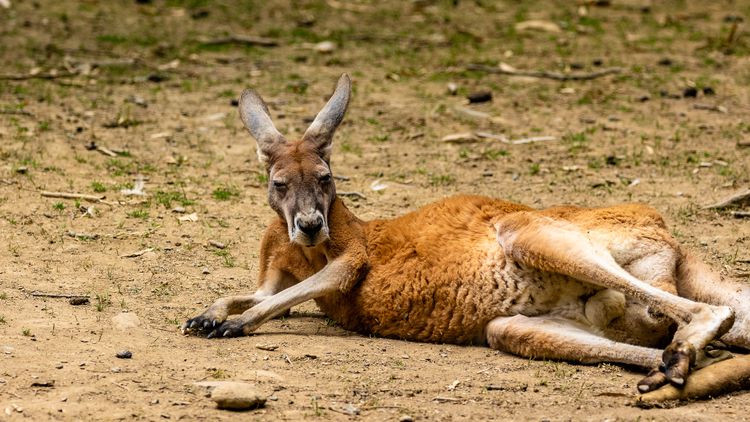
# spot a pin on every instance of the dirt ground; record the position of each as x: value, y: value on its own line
x: 142, y: 81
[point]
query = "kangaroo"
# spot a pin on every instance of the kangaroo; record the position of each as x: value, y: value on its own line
x: 566, y: 283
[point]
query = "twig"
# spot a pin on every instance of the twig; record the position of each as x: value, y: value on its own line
x: 505, y: 69
x: 343, y: 178
x: 137, y: 254
x: 19, y: 112
x: 720, y: 109
x: 66, y: 195
x: 735, y: 200
x: 58, y: 295
x: 352, y: 194
x: 106, y: 151
x: 37, y: 76
x: 241, y: 39
x: 348, y: 6
x: 741, y: 214
x: 532, y: 140
x: 82, y: 235
x: 447, y: 399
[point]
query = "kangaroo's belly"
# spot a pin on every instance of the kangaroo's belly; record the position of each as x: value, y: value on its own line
x: 433, y: 302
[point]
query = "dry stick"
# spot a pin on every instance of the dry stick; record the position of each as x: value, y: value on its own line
x: 37, y: 76
x: 242, y: 39
x: 217, y: 244
x: 137, y: 254
x: 19, y: 112
x: 58, y: 295
x: 735, y: 200
x: 66, y: 195
x: 546, y: 74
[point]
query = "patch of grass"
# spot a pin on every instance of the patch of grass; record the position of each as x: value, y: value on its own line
x: 2, y: 319
x: 3, y: 296
x: 142, y: 214
x: 227, y: 258
x: 166, y: 198
x: 347, y: 146
x: 58, y: 206
x: 98, y: 187
x: 225, y: 193
x: 102, y: 302
x: 26, y: 332
x: 494, y: 154
x: 442, y: 179
x: 534, y: 169
x: 217, y: 373
x: 576, y: 141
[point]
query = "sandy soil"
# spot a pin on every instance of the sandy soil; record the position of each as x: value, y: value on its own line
x: 147, y: 87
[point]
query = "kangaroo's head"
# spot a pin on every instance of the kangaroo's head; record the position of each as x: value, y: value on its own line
x: 300, y: 183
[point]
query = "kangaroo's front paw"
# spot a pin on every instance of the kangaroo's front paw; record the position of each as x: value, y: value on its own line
x: 232, y: 328
x: 203, y: 323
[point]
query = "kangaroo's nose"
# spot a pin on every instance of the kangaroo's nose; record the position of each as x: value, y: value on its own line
x: 310, y: 227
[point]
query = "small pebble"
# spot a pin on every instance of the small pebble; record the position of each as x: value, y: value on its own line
x: 480, y: 97
x: 405, y: 418
x: 124, y: 354
x: 665, y: 61
x: 452, y: 88
x: 597, y: 62
x: 22, y: 170
x: 325, y: 47
x: 76, y: 301
x: 708, y: 91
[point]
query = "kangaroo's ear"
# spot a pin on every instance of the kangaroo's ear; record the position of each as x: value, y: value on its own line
x: 254, y: 114
x: 322, y: 128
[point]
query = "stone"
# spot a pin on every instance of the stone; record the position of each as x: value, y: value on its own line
x: 125, y: 321
x: 234, y: 395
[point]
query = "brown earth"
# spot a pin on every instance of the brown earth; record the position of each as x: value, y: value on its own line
x: 617, y: 138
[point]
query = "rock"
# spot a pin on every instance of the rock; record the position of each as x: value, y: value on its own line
x: 77, y: 301
x: 325, y: 47
x: 125, y: 321
x: 405, y: 418
x: 479, y: 97
x: 43, y: 383
x: 744, y: 143
x: 22, y: 170
x: 206, y: 271
x: 124, y: 354
x: 234, y: 395
x: 538, y: 25
x: 690, y: 92
x: 707, y: 90
x: 665, y: 61
x: 452, y: 88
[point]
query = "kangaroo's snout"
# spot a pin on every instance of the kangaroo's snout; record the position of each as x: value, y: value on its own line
x: 310, y: 228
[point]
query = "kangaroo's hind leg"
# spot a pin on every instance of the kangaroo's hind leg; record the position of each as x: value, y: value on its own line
x: 561, y: 247
x: 696, y: 281
x: 550, y: 337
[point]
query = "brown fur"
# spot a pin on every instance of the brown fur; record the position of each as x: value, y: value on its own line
x: 583, y: 284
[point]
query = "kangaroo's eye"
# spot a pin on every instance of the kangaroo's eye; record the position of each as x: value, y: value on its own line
x: 325, y: 179
x: 279, y: 185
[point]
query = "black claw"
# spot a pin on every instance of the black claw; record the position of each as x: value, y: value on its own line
x: 215, y: 323
x: 192, y: 323
x: 206, y: 323
x: 226, y: 333
x: 212, y: 334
